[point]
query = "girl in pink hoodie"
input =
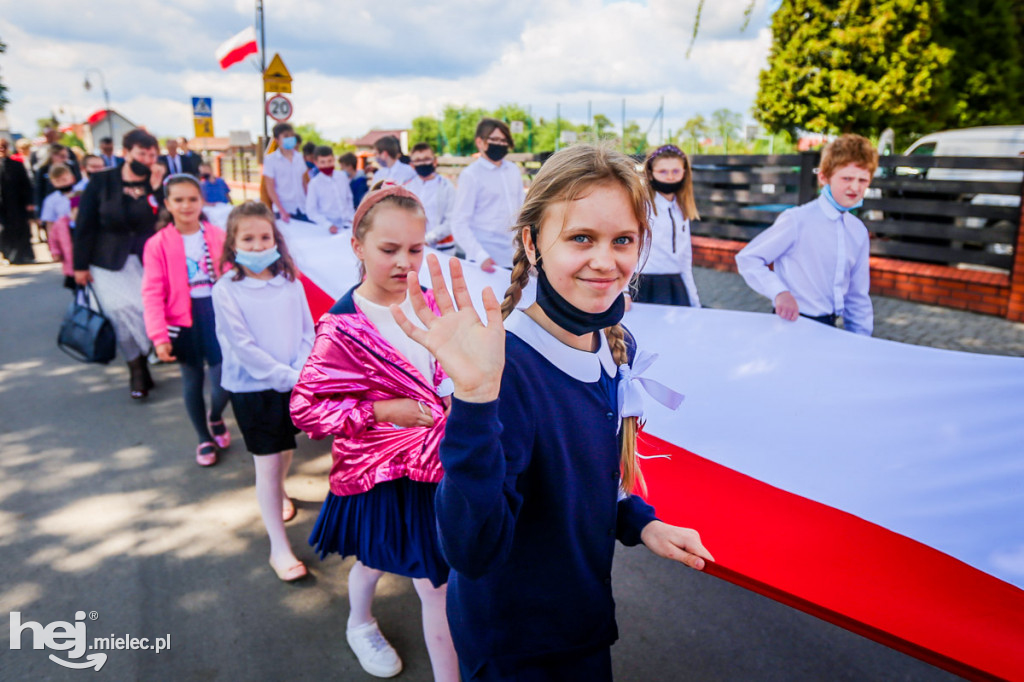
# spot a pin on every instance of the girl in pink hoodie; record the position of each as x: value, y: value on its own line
x: 381, y: 397
x: 179, y: 269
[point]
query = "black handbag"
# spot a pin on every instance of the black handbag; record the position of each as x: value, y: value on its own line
x: 86, y: 334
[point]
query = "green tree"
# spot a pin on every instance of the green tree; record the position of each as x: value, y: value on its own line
x: 852, y: 65
x: 726, y: 124
x: 3, y: 88
x: 71, y: 140
x: 635, y: 138
x: 458, y: 124
x: 548, y: 131
x: 426, y: 129
x: 986, y: 73
x: 696, y: 129
x: 515, y: 112
x: 309, y: 133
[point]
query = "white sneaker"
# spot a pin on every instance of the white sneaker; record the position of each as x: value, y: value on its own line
x: 374, y: 652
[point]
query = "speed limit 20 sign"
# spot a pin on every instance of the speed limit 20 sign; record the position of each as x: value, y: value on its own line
x: 279, y: 108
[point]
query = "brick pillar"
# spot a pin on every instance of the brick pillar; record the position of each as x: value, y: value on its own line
x: 1015, y: 307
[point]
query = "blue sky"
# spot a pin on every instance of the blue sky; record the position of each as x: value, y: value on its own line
x: 360, y: 65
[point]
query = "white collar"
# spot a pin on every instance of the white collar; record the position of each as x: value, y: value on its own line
x: 579, y: 364
x: 486, y: 163
x: 253, y: 283
x: 828, y: 209
x: 659, y: 199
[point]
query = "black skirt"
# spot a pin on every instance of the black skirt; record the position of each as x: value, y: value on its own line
x: 265, y: 421
x: 663, y: 289
x: 192, y: 345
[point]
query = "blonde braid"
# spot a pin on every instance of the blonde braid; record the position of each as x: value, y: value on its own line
x: 632, y: 477
x: 520, y: 278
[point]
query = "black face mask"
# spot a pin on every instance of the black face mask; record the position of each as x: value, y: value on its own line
x: 65, y: 190
x: 666, y: 187
x: 569, y: 317
x: 204, y: 176
x: 496, y: 152
x: 425, y: 170
x: 139, y: 168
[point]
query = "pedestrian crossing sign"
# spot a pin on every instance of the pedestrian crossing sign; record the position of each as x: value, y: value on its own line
x: 202, y: 107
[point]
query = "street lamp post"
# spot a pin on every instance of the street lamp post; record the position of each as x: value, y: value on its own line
x: 106, y: 97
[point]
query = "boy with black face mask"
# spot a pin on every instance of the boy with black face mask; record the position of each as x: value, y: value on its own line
x: 488, y: 199
x: 436, y: 193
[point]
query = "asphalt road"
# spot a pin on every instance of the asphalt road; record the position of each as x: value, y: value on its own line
x: 103, y: 510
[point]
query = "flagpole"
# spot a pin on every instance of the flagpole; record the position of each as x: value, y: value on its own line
x: 263, y: 68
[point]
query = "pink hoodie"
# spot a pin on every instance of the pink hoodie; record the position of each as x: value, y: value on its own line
x: 165, y: 290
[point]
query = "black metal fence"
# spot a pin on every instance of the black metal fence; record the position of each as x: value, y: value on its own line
x: 947, y: 210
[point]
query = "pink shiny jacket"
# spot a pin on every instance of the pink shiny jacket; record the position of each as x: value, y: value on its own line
x: 351, y: 366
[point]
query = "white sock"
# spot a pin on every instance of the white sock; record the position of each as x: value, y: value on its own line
x: 438, y: 637
x: 270, y: 472
x: 362, y: 583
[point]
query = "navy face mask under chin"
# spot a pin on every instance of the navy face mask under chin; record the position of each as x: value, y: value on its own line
x: 569, y: 317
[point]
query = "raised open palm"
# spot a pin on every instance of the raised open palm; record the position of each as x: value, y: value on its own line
x: 473, y: 354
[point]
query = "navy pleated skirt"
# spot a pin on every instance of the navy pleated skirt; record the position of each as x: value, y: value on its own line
x: 392, y: 527
x: 663, y: 289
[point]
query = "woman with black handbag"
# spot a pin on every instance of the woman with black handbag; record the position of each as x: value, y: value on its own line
x: 116, y: 215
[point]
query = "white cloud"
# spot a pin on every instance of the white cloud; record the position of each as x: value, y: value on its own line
x: 359, y: 65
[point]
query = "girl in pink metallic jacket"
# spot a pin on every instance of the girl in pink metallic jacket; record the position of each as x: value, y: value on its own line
x: 382, y: 397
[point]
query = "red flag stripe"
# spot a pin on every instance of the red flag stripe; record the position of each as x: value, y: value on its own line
x: 841, y: 568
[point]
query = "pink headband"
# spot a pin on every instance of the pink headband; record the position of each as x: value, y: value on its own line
x: 389, y: 189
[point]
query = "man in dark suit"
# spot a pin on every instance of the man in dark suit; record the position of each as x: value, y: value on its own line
x: 107, y: 153
x: 172, y: 161
x: 15, y: 200
x: 189, y: 159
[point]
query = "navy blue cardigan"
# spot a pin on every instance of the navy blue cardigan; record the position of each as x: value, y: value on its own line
x: 528, y: 514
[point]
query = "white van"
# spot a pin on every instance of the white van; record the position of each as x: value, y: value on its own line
x: 988, y: 141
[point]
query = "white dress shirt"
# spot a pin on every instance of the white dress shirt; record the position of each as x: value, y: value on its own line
x: 329, y: 200
x: 265, y: 332
x: 670, y: 251
x: 287, y: 177
x: 438, y: 197
x: 487, y: 203
x: 399, y: 173
x: 55, y: 206
x: 821, y: 257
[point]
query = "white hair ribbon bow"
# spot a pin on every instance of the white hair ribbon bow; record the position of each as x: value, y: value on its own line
x: 632, y: 386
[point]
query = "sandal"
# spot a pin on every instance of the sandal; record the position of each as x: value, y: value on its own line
x: 206, y: 454
x: 221, y: 435
x: 288, y: 510
x: 295, y: 572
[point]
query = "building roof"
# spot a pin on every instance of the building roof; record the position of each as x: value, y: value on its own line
x: 370, y: 138
x: 209, y: 144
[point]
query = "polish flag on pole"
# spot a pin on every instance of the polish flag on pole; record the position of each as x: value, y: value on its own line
x: 237, y: 48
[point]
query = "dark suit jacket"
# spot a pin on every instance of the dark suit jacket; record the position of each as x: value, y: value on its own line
x: 15, y: 191
x: 190, y: 162
x: 104, y: 235
x: 187, y: 163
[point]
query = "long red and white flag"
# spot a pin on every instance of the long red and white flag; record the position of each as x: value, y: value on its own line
x: 876, y: 485
x: 237, y: 48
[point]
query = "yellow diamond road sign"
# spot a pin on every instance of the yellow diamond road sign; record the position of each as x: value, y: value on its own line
x: 276, y: 78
